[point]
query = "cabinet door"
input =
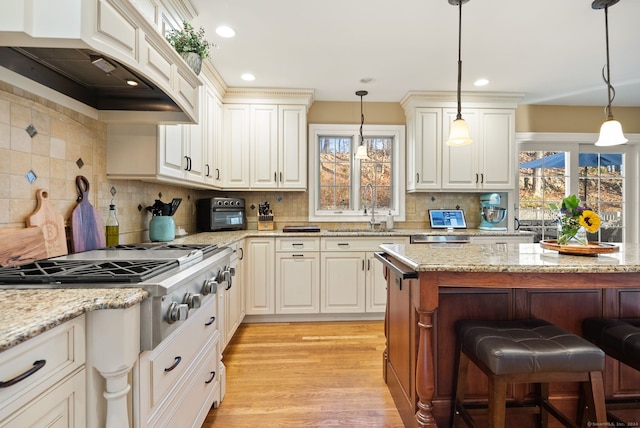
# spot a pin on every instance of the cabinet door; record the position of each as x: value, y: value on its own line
x: 292, y: 141
x: 212, y: 136
x: 460, y: 164
x: 172, y: 160
x: 342, y: 279
x: 427, y: 149
x: 264, y: 146
x: 234, y: 170
x: 234, y: 309
x: 194, y: 152
x: 496, y: 160
x: 297, y: 283
x: 376, y: 285
x: 260, y: 286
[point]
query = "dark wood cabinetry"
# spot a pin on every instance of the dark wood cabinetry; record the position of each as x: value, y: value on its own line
x: 421, y: 342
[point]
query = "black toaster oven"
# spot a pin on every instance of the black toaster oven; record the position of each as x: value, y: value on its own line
x: 220, y: 214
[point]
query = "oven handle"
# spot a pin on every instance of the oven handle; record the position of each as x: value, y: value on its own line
x: 411, y: 274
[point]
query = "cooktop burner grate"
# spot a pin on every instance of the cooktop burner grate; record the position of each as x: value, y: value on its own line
x: 75, y: 271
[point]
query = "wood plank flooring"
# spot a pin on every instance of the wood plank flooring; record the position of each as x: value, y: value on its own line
x: 306, y: 375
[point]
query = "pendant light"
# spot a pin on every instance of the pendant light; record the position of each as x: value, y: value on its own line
x: 459, y: 135
x: 611, y: 130
x: 361, y: 153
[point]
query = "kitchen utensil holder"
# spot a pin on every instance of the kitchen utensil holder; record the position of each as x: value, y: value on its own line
x: 162, y: 228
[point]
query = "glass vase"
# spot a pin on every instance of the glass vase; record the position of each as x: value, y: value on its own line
x: 571, y: 236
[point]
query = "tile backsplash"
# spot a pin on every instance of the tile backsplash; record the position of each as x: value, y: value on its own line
x: 56, y: 144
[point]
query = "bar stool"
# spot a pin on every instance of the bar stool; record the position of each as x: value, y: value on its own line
x: 528, y: 351
x: 620, y: 339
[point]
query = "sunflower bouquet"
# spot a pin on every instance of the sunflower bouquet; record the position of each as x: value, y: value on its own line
x: 571, y: 218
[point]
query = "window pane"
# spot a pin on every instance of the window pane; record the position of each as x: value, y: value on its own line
x: 335, y: 172
x: 542, y: 181
x: 376, y: 171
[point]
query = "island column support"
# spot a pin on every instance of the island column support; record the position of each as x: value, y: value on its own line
x: 425, y: 370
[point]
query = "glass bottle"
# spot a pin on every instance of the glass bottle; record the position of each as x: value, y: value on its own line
x: 113, y: 228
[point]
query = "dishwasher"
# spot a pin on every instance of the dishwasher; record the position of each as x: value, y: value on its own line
x: 440, y: 239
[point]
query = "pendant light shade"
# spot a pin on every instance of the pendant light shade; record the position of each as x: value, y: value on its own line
x: 611, y: 130
x: 361, y: 153
x: 611, y: 134
x: 459, y: 134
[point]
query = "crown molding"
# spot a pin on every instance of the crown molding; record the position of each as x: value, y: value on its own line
x: 269, y: 96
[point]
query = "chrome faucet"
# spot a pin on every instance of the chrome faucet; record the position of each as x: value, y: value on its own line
x: 372, y: 221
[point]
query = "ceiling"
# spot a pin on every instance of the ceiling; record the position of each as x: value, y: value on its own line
x: 552, y: 51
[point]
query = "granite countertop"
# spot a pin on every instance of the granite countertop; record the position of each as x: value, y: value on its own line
x: 226, y: 238
x: 511, y: 258
x: 26, y: 313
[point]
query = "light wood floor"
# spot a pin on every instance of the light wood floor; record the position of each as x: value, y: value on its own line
x: 306, y: 375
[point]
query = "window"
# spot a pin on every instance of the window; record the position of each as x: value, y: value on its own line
x: 549, y: 172
x: 342, y: 187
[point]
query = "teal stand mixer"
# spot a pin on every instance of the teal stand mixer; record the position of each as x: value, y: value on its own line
x: 491, y: 214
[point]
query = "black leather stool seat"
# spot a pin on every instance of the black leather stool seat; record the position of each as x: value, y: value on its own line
x: 528, y: 351
x: 528, y: 346
x: 618, y: 337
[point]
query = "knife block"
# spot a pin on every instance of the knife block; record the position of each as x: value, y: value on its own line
x: 265, y: 222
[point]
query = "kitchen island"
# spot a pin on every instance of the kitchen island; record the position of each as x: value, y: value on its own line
x: 430, y: 287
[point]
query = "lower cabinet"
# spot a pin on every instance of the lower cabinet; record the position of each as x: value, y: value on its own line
x: 234, y: 308
x: 260, y: 279
x: 54, y: 395
x: 297, y: 275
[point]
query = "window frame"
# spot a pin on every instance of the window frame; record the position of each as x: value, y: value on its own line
x: 574, y: 143
x: 356, y: 212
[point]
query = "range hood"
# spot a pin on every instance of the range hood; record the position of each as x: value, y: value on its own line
x: 102, y: 54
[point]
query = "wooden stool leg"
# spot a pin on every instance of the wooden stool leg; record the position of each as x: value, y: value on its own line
x: 543, y: 398
x: 497, y: 401
x: 461, y: 383
x: 596, y: 398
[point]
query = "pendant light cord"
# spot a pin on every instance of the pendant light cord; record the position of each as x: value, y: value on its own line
x: 611, y: 92
x: 459, y: 115
x: 361, y: 121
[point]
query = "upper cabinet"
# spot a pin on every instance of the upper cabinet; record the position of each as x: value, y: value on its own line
x: 486, y: 164
x: 265, y: 143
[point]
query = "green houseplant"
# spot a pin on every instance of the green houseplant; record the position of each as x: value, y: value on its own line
x: 190, y: 44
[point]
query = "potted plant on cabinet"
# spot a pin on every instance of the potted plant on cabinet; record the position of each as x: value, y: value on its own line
x: 190, y: 44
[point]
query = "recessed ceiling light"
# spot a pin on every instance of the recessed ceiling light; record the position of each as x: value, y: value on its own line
x: 248, y: 77
x: 367, y: 80
x: 481, y: 82
x: 132, y: 82
x: 226, y: 32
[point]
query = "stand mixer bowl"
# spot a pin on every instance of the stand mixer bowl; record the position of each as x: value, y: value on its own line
x: 494, y: 215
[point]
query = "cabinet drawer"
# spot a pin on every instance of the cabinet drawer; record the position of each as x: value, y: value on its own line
x: 61, y: 348
x: 298, y: 244
x: 349, y: 243
x: 166, y: 364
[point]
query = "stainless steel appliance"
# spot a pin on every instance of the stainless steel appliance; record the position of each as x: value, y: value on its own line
x: 220, y: 214
x: 179, y: 279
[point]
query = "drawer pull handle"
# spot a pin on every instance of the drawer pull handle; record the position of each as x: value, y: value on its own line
x: 343, y: 244
x: 295, y: 244
x: 175, y: 364
x: 37, y: 365
x: 213, y: 376
x: 211, y: 321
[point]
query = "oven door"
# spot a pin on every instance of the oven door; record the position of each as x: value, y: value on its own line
x: 228, y: 219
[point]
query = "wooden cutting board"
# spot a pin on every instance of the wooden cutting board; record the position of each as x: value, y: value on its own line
x: 87, y: 226
x: 51, y: 223
x: 21, y: 246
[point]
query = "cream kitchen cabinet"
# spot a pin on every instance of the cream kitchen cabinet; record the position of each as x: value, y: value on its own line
x: 486, y: 164
x: 179, y: 154
x: 265, y: 147
x: 234, y: 310
x: 54, y: 394
x: 260, y: 278
x: 351, y: 279
x: 297, y: 276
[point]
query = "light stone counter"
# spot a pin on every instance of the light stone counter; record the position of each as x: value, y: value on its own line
x: 517, y: 258
x: 225, y: 238
x: 27, y: 313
